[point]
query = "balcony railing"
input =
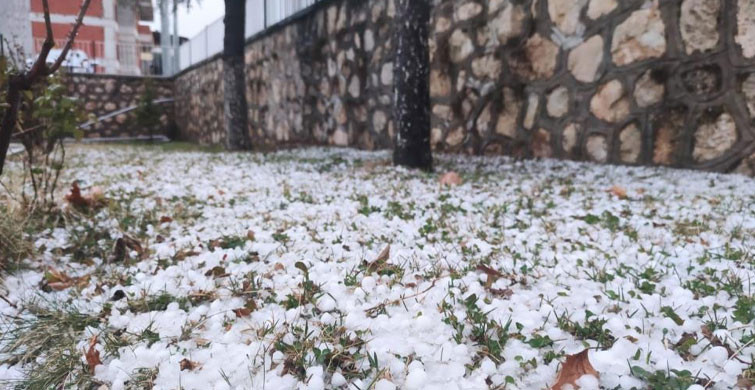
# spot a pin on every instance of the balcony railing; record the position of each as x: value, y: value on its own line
x: 133, y: 58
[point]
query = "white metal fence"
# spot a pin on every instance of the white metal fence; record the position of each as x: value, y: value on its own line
x: 260, y: 14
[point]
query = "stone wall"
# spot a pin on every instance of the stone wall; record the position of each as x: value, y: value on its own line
x: 199, y: 103
x: 103, y: 94
x: 665, y: 82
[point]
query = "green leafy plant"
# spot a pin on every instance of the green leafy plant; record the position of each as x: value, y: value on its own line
x: 45, y: 121
x: 665, y: 380
x: 147, y: 112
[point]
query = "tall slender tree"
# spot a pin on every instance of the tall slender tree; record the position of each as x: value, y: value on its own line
x: 411, y: 78
x: 25, y: 80
x: 235, y: 108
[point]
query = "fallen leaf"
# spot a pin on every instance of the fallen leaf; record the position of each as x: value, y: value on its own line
x: 95, y: 198
x: 123, y: 246
x: 92, y: 355
x: 380, y: 260
x: 575, y: 367
x: 183, y: 254
x: 202, y: 342
x: 745, y: 383
x: 166, y: 219
x: 505, y: 293
x: 250, y: 235
x: 242, y: 312
x: 715, y: 340
x: 74, y: 197
x: 493, y: 275
x: 279, y: 267
x: 187, y: 364
x: 450, y: 179
x: 619, y: 192
x: 59, y: 280
x: 384, y: 255
x: 217, y: 272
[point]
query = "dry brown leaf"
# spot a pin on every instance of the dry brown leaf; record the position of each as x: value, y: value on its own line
x: 92, y: 355
x: 166, y: 219
x: 504, y: 293
x: 123, y: 246
x: 450, y: 179
x: 380, y: 260
x: 575, y: 367
x: 279, y: 267
x: 242, y: 312
x: 745, y: 383
x: 217, y: 272
x: 74, y: 197
x: 250, y: 235
x: 94, y: 199
x: 59, y: 280
x: 183, y: 254
x: 493, y: 275
x: 202, y: 342
x: 619, y: 192
x: 187, y: 364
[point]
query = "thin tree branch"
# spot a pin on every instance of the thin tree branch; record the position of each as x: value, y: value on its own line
x: 40, y: 65
x: 71, y: 36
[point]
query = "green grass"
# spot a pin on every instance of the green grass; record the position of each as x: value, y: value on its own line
x: 45, y: 343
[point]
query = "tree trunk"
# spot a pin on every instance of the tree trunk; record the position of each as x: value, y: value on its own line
x: 411, y: 83
x: 13, y: 99
x: 235, y: 110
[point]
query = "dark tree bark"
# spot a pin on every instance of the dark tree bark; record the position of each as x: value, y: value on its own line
x: 24, y: 81
x: 235, y: 109
x: 411, y: 78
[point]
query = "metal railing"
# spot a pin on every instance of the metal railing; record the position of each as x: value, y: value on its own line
x: 260, y: 14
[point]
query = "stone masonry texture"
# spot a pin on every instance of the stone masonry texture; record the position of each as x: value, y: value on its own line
x: 100, y: 95
x: 637, y: 82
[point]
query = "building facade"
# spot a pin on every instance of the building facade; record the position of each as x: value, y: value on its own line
x: 15, y: 28
x: 111, y: 36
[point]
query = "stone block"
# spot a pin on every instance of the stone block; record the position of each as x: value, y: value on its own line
x: 507, y: 118
x: 610, y: 103
x: 649, y: 89
x: 746, y: 27
x: 639, y: 37
x: 714, y: 137
x: 699, y: 24
x: 558, y: 102
x: 596, y: 148
x: 585, y: 59
x: 630, y: 144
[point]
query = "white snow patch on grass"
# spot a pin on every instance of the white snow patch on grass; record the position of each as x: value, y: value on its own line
x: 259, y: 270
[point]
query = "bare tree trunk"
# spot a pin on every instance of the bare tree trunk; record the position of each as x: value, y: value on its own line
x: 411, y: 78
x: 39, y: 70
x: 235, y: 109
x: 13, y: 99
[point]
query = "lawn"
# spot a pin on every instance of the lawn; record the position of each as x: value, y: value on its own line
x: 329, y: 268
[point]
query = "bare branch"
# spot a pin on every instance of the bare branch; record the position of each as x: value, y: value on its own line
x: 71, y: 37
x: 26, y: 80
x: 40, y: 64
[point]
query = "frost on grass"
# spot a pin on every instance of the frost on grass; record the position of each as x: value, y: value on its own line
x: 272, y: 271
